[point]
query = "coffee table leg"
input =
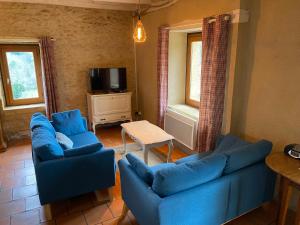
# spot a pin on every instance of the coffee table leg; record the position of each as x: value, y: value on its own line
x: 146, y: 150
x: 123, y: 133
x: 171, y: 147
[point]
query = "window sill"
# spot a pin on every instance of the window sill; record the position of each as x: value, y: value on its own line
x: 32, y: 106
x: 186, y: 110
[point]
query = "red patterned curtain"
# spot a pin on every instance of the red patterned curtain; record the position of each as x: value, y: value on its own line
x: 162, y: 73
x: 213, y: 79
x: 47, y: 50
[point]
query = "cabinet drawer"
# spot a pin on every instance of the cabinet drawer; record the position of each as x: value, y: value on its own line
x: 112, y: 118
x: 111, y: 104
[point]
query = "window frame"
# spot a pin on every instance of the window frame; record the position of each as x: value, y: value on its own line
x: 192, y: 37
x: 35, y: 49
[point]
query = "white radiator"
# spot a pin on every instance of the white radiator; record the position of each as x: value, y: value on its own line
x: 182, y: 127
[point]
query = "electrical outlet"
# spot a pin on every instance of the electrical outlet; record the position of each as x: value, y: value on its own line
x: 138, y: 113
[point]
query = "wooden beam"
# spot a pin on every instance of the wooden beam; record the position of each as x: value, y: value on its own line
x: 147, y: 2
x: 96, y: 4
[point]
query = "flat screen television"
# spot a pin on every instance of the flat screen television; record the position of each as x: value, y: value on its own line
x: 108, y: 79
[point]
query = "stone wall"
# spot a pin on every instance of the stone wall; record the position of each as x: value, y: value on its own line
x: 85, y: 38
x: 16, y: 122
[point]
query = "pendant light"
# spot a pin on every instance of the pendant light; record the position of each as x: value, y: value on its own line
x: 139, y: 34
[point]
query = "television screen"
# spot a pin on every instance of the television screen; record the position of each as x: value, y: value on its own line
x: 108, y: 79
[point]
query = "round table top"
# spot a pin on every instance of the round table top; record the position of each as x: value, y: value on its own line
x: 285, y: 166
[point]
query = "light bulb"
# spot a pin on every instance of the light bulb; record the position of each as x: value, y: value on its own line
x: 139, y: 34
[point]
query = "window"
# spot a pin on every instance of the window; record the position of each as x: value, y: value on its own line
x: 21, y: 74
x: 193, y: 75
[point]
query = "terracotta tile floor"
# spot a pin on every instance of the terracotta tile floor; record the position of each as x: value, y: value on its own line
x: 19, y: 202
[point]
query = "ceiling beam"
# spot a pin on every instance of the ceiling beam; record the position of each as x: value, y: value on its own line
x: 125, y: 5
x: 146, y: 2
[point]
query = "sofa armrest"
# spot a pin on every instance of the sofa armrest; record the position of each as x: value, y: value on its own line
x: 199, y: 205
x: 68, y: 177
x: 138, y: 196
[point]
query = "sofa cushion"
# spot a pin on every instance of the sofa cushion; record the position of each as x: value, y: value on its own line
x: 140, y: 168
x: 83, y: 143
x: 64, y: 141
x: 83, y: 139
x: 171, y: 180
x: 40, y: 120
x: 69, y: 122
x: 83, y: 150
x: 45, y: 145
x: 229, y: 142
x: 223, y: 143
x: 193, y: 157
x: 161, y: 166
x: 247, y: 155
x: 145, y: 172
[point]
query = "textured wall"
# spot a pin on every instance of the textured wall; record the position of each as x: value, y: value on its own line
x: 266, y: 95
x: 85, y: 38
x: 183, y: 10
x: 266, y: 103
x: 16, y: 122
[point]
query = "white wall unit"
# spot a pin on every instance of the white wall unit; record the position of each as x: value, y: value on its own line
x: 108, y: 108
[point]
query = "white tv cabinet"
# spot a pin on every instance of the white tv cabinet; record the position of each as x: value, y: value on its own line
x: 108, y: 108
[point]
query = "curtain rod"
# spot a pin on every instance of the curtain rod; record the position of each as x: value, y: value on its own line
x: 212, y: 20
x: 20, y: 40
x: 193, y: 24
x: 237, y: 16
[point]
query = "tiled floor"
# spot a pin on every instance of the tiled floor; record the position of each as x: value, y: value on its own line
x: 19, y: 202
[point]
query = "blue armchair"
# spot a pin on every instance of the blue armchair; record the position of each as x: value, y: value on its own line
x: 208, y: 188
x: 64, y: 173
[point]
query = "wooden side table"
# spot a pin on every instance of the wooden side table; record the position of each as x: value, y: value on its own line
x: 289, y: 170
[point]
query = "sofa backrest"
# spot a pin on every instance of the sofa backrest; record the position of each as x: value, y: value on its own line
x: 84, y: 122
x: 240, y: 153
x: 229, y: 142
x: 246, y: 155
x: 171, y: 180
x: 68, y: 122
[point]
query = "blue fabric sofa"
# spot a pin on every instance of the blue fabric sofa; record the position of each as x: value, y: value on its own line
x: 203, y: 189
x: 61, y: 172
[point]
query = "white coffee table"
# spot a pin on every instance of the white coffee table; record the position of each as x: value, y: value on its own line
x: 148, y: 136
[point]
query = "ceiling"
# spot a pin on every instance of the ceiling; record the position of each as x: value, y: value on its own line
x: 128, y: 5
